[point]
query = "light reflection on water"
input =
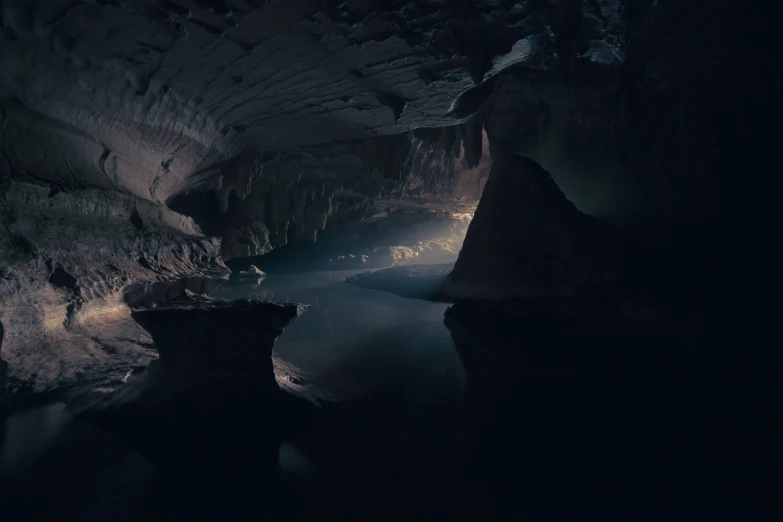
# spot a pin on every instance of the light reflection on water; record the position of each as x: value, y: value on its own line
x: 356, y: 342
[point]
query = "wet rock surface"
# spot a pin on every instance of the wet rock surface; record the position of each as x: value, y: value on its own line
x: 72, y: 263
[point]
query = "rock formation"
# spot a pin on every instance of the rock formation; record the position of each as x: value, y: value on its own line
x: 527, y: 240
x: 208, y: 347
x: 71, y: 262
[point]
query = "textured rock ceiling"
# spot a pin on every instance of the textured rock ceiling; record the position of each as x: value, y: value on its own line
x: 154, y: 98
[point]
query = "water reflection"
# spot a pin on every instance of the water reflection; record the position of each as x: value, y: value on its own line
x: 389, y: 360
x: 357, y: 342
x: 53, y: 467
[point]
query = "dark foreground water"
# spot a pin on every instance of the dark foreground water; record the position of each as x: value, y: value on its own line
x: 389, y: 361
x: 548, y: 419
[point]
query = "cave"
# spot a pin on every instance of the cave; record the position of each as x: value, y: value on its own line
x: 389, y: 260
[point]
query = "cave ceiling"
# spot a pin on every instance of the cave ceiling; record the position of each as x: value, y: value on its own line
x: 152, y: 99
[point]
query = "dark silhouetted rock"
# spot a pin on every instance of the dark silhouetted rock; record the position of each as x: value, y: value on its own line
x: 213, y: 344
x: 527, y: 240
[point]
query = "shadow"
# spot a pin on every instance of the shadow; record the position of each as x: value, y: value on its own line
x: 608, y: 422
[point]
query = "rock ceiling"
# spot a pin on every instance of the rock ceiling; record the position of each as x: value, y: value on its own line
x: 154, y: 98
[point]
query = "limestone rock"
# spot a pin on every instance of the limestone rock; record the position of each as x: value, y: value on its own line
x: 71, y: 265
x: 527, y: 240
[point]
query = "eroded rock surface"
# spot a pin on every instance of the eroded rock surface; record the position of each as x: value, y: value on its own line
x: 72, y: 262
x: 168, y: 93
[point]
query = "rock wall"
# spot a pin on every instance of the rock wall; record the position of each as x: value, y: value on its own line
x: 319, y: 192
x: 71, y: 263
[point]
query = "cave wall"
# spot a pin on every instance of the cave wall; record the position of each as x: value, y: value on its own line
x: 297, y: 193
x: 70, y: 265
x: 319, y: 192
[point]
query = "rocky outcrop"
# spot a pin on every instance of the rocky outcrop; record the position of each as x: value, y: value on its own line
x: 71, y: 263
x: 211, y: 347
x: 527, y: 240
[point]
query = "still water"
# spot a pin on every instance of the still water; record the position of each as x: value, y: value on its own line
x: 356, y: 342
x: 389, y: 361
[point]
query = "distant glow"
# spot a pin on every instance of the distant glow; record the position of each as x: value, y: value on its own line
x: 104, y: 312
